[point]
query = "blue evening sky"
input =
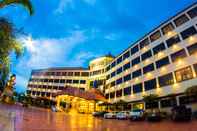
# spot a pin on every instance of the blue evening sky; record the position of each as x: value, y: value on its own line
x: 72, y: 32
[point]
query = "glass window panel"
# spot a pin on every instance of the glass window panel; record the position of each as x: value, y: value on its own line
x: 181, y: 20
x: 184, y: 74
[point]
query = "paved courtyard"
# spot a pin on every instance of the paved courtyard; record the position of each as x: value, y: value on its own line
x: 35, y: 119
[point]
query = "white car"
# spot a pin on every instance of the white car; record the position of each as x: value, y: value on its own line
x: 122, y: 115
x: 137, y: 114
x: 110, y: 115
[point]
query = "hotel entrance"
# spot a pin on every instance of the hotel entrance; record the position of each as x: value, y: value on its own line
x: 74, y: 100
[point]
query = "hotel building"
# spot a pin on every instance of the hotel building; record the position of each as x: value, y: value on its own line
x: 163, y: 62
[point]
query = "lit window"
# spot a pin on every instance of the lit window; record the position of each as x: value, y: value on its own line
x: 167, y: 28
x: 155, y: 36
x: 144, y: 43
x: 184, y: 74
x: 181, y: 20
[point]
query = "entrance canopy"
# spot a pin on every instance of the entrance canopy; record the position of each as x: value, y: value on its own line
x: 92, y: 94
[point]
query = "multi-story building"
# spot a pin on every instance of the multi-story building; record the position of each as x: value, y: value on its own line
x: 163, y: 62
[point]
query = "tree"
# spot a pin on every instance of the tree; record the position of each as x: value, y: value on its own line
x: 8, y: 45
x: 26, y: 3
x: 150, y: 99
x: 191, y: 90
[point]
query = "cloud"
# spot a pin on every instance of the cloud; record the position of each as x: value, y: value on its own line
x: 62, y: 5
x: 49, y: 52
x: 112, y: 36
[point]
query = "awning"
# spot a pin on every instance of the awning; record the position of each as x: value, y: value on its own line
x: 92, y: 94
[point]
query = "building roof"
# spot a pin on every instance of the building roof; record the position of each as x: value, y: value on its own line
x: 59, y: 68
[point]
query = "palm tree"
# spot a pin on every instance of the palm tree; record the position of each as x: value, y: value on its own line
x: 26, y: 3
x: 8, y: 45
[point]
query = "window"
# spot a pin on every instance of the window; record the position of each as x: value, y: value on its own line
x: 146, y: 55
x: 82, y: 81
x: 108, y: 68
x: 82, y: 89
x: 70, y: 73
x: 127, y: 77
x: 118, y: 81
x: 56, y: 81
x: 167, y: 28
x: 75, y: 81
x: 150, y: 84
x: 108, y: 76
x: 195, y: 68
x: 126, y: 55
x: 155, y: 36
x: 178, y: 55
x: 126, y: 66
x: 137, y: 88
x: 68, y: 81
x: 62, y: 81
x: 184, y: 74
x: 162, y: 62
x: 159, y: 48
x: 107, y: 96
x: 119, y: 60
x: 172, y: 41
x: 192, y: 49
x: 168, y: 102
x: 119, y: 70
x: 77, y: 73
x: 188, y: 32
x: 193, y: 12
x: 181, y: 20
x: 112, y: 95
x: 135, y: 61
x: 188, y: 99
x: 113, y: 64
x: 127, y: 91
x: 84, y: 74
x: 144, y: 43
x: 148, y: 68
x: 134, y: 49
x: 113, y: 74
x: 113, y: 83
x: 137, y: 73
x: 166, y: 80
x: 119, y: 93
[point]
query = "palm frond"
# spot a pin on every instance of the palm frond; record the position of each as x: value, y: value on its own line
x: 26, y: 3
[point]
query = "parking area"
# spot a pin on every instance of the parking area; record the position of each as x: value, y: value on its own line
x: 36, y: 119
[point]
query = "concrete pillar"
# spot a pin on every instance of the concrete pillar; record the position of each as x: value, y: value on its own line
x: 177, y: 101
x: 159, y: 104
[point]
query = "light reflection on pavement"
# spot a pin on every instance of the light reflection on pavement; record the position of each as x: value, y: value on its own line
x: 36, y: 119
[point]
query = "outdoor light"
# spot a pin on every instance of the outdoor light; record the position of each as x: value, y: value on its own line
x: 160, y: 54
x: 169, y: 33
x: 191, y: 38
x: 175, y: 47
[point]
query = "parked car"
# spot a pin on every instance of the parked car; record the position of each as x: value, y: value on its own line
x: 122, y: 115
x: 154, y: 115
x: 195, y: 114
x: 110, y: 115
x: 99, y: 113
x: 137, y: 114
x: 181, y: 113
x: 54, y: 109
